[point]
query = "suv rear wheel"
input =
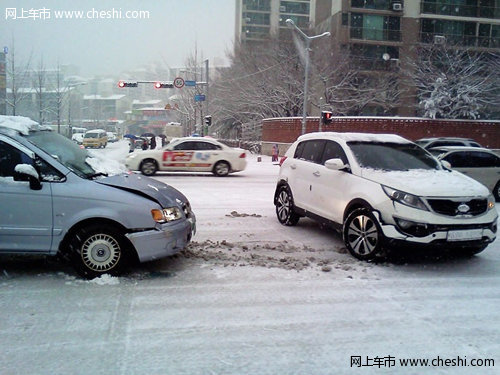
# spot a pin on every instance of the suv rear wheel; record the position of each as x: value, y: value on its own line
x: 362, y: 235
x: 284, y: 207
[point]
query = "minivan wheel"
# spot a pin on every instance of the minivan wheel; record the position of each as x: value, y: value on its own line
x: 98, y: 249
x: 148, y: 167
x: 362, y: 234
x: 284, y: 207
x: 221, y: 169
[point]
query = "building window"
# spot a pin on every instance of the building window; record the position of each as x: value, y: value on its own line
x: 489, y: 36
x: 262, y: 5
x: 456, y: 32
x: 256, y: 18
x: 300, y: 21
x: 375, y: 27
x: 489, y: 9
x: 345, y: 19
x: 372, y: 4
x: 370, y: 57
x: 462, y: 8
x: 255, y: 32
x: 294, y: 7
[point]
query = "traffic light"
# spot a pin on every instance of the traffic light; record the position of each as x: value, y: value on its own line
x: 163, y: 85
x: 122, y: 84
x: 208, y: 120
x: 326, y: 117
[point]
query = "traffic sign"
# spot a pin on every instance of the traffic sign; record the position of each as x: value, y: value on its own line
x: 190, y: 83
x: 199, y: 98
x: 179, y: 82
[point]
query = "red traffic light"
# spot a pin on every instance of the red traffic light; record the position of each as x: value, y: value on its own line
x: 122, y: 84
x: 163, y: 85
x: 326, y: 117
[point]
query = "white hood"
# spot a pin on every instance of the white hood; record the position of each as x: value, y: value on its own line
x: 429, y: 183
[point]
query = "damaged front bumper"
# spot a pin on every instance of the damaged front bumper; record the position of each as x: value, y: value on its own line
x: 165, y: 240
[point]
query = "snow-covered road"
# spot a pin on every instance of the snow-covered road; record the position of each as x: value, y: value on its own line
x: 253, y: 297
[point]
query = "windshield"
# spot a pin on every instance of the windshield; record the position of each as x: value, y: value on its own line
x: 392, y: 156
x: 92, y: 135
x: 64, y: 150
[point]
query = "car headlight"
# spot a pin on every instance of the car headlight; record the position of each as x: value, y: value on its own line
x: 405, y: 198
x: 166, y: 215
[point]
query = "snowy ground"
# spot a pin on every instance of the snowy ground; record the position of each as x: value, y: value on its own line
x: 250, y: 296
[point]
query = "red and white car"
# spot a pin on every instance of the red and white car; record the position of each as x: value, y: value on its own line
x: 190, y: 154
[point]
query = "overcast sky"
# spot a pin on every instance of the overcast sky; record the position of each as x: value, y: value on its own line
x: 104, y: 43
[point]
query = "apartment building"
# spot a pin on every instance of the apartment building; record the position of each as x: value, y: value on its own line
x: 258, y: 20
x: 380, y: 34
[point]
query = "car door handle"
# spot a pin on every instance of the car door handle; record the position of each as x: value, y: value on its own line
x: 215, y: 153
x: 293, y: 166
x: 317, y: 174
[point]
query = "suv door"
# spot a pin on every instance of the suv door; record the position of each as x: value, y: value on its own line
x: 26, y: 219
x: 329, y: 187
x: 304, y: 166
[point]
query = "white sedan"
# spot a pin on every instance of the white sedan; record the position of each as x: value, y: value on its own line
x: 190, y: 154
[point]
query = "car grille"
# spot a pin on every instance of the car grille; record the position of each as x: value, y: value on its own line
x: 452, y: 208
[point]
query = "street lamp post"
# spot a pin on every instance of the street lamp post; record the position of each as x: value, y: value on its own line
x: 308, y: 40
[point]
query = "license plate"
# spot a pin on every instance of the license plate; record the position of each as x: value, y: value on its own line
x: 465, y: 235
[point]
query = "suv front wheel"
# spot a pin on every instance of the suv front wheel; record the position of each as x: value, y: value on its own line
x: 362, y: 234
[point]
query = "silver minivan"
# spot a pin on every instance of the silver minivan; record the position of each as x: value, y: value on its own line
x: 52, y: 201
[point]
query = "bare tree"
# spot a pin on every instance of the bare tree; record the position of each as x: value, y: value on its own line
x: 16, y: 75
x: 268, y: 81
x: 260, y: 83
x: 454, y: 82
x: 39, y: 84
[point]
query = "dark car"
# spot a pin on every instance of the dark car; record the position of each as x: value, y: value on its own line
x: 481, y: 164
x: 446, y: 141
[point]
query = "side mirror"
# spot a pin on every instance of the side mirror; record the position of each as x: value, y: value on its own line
x: 336, y: 165
x: 29, y: 172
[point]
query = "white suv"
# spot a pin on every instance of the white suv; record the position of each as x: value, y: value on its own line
x: 382, y: 190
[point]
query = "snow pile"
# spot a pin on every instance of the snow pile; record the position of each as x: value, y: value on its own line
x: 22, y: 124
x: 427, y: 182
x: 101, y: 164
x: 105, y: 280
x: 111, y: 161
x: 26, y: 169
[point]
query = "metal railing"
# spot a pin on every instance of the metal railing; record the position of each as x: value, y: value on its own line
x: 463, y: 40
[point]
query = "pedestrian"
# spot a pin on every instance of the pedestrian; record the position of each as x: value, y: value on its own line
x: 131, y: 145
x: 276, y: 152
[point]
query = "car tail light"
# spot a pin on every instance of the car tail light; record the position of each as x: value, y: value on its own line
x: 282, y: 160
x: 243, y: 155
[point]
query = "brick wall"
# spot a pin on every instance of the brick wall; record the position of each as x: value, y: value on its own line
x: 286, y: 130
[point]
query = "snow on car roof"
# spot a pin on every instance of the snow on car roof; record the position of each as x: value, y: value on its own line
x: 21, y: 124
x: 357, y: 137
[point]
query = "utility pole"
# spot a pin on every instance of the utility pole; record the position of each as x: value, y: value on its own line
x: 307, y: 40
